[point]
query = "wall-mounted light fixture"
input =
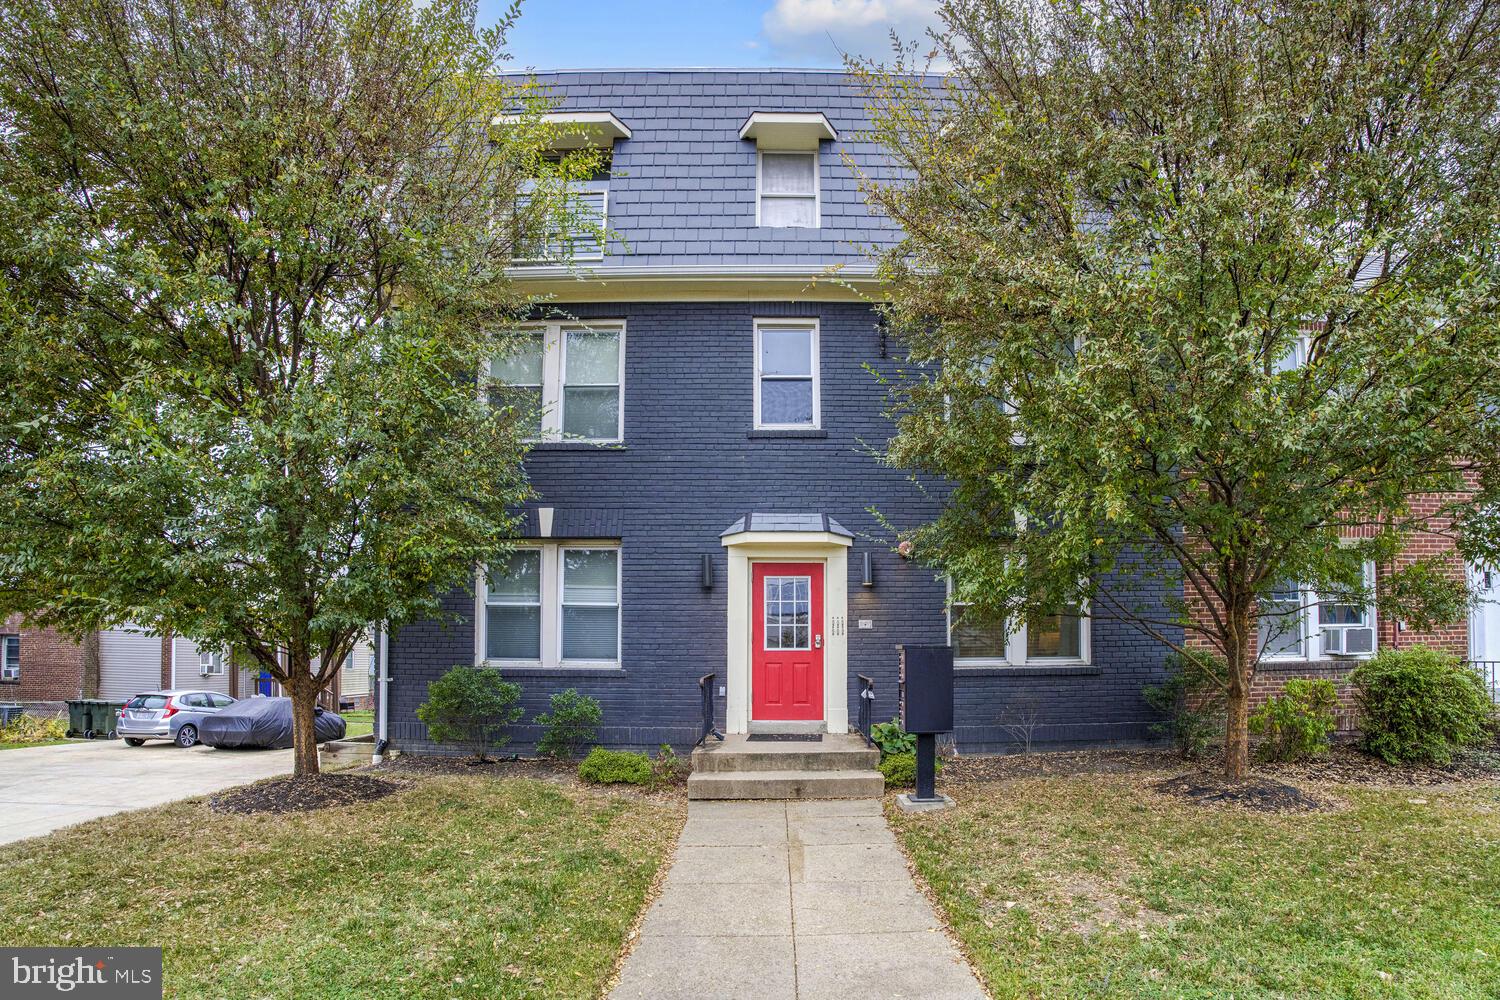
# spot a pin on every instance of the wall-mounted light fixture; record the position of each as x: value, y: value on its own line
x: 880, y: 325
x: 868, y: 579
x: 708, y: 571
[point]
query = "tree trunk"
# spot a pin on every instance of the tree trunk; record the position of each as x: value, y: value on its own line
x: 1237, y: 713
x: 303, y: 691
x: 91, y: 669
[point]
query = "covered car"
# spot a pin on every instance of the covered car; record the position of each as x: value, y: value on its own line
x: 263, y: 722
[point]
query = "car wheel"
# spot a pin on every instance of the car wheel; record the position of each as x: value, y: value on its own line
x: 131, y: 742
x: 187, y: 736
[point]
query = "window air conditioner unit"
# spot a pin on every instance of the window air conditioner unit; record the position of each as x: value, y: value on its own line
x: 1354, y: 641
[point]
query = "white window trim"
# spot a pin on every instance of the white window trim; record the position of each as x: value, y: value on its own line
x: 817, y: 191
x: 1312, y: 628
x: 9, y: 671
x: 554, y: 370
x: 550, y: 591
x: 214, y: 662
x: 817, y: 377
x: 1015, y: 643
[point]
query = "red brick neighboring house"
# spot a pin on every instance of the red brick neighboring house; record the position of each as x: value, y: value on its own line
x: 38, y: 667
x: 1301, y: 653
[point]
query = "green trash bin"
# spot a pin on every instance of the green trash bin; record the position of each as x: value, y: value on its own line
x: 80, y: 718
x: 106, y: 716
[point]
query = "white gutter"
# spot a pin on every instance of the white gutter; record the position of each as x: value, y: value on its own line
x: 694, y: 272
x: 382, y: 707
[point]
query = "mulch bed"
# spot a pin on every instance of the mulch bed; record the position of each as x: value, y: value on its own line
x: 288, y: 795
x: 542, y: 769
x: 1260, y: 794
x: 1344, y: 764
x: 1059, y: 763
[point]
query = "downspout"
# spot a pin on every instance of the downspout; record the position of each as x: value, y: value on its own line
x: 382, y: 705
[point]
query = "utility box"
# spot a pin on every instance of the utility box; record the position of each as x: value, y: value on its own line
x: 925, y: 675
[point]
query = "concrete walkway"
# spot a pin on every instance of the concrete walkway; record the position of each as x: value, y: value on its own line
x: 800, y: 900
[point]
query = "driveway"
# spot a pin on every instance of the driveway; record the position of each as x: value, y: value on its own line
x: 45, y: 788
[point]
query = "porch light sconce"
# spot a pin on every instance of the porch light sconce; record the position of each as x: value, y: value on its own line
x: 880, y: 324
x: 708, y: 571
x: 868, y: 579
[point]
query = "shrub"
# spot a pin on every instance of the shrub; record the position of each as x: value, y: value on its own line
x: 1192, y: 698
x: 1298, y: 722
x: 34, y: 729
x: 892, y: 739
x: 573, y: 721
x: 667, y: 767
x: 470, y: 706
x: 900, y: 769
x: 615, y: 767
x: 1419, y: 705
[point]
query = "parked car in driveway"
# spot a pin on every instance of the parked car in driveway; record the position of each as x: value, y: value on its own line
x: 168, y: 715
x: 265, y: 722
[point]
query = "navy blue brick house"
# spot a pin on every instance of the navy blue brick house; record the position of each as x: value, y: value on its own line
x: 703, y: 473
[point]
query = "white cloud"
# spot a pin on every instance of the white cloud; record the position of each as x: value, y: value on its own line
x: 822, y: 29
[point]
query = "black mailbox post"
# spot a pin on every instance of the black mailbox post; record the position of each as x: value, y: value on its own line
x: 926, y: 693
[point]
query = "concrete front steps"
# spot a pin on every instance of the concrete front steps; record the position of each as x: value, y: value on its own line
x: 837, y: 767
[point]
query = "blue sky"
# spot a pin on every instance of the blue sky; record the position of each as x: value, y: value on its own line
x: 563, y: 34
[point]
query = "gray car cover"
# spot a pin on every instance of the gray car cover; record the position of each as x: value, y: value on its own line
x: 263, y: 722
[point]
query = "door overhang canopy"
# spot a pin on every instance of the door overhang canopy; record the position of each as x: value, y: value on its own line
x: 786, y: 529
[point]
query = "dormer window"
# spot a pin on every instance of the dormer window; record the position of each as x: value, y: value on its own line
x: 580, y: 235
x: 786, y: 185
x: 788, y: 190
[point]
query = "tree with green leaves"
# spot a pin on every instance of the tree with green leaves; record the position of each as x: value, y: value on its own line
x: 1199, y: 299
x: 253, y: 256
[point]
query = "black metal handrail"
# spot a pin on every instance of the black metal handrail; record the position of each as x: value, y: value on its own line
x: 706, y: 690
x: 866, y: 707
x: 1489, y: 674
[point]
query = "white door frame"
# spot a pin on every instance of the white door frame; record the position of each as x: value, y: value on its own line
x: 828, y: 548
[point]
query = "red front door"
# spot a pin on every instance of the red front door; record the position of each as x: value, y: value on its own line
x: 786, y: 636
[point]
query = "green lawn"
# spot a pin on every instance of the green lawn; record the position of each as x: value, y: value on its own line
x: 456, y: 887
x: 1097, y: 886
x: 358, y: 723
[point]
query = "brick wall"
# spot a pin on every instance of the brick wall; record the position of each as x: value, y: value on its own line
x: 51, y: 669
x: 1271, y: 676
x: 690, y: 466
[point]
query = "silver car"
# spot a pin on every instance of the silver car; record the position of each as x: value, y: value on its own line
x: 167, y: 715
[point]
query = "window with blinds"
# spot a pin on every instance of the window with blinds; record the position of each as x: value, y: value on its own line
x: 553, y: 604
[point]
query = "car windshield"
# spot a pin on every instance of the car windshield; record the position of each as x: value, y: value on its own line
x: 148, y: 701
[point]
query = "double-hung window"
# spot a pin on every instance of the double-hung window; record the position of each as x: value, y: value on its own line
x: 1298, y: 623
x: 1056, y: 636
x: 553, y: 604
x: 10, y: 657
x: 788, y: 191
x: 976, y: 641
x: 566, y: 380
x: 210, y: 664
x: 1061, y: 638
x: 513, y: 607
x: 786, y: 374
